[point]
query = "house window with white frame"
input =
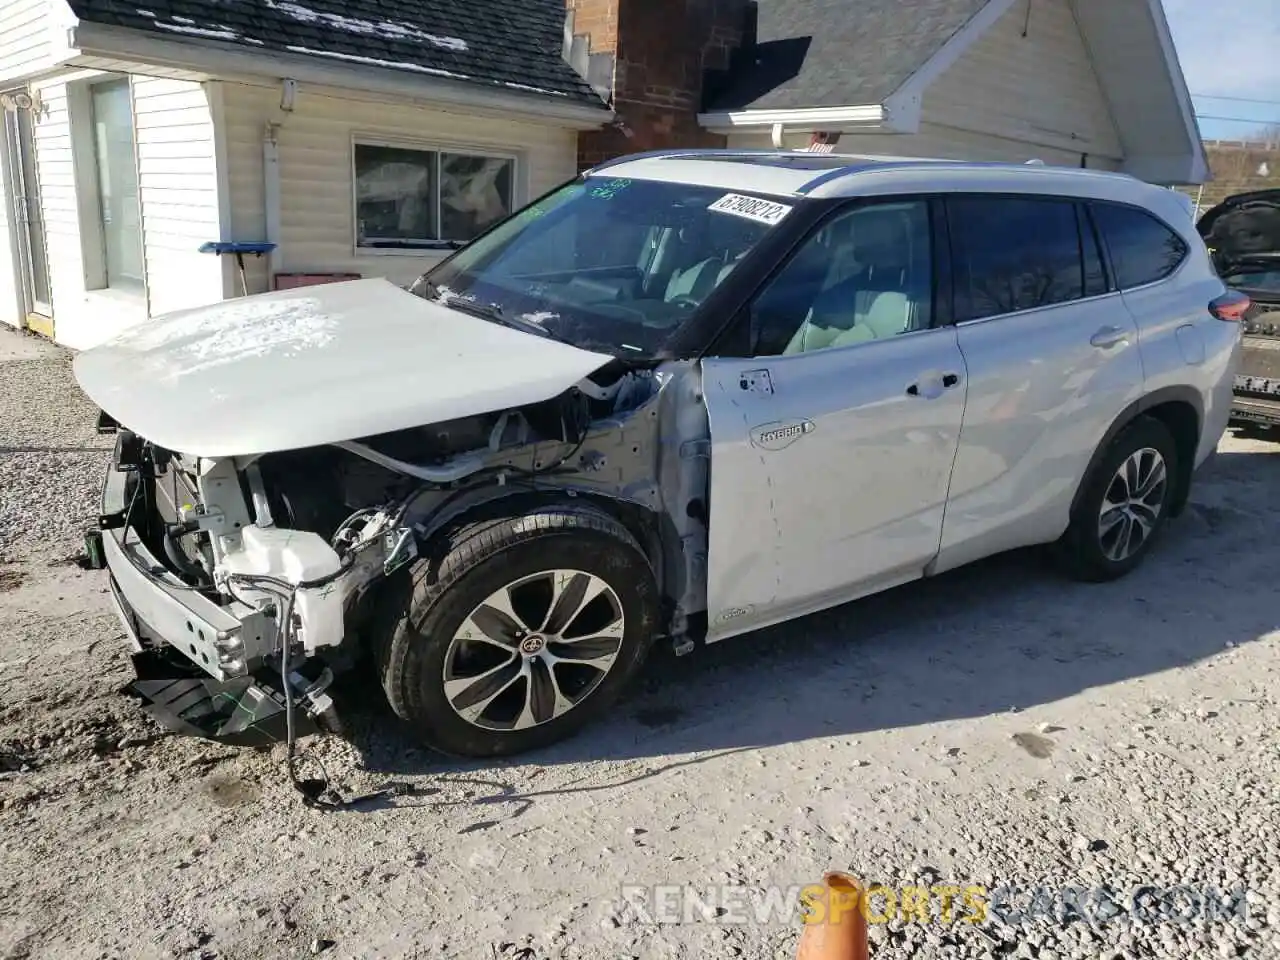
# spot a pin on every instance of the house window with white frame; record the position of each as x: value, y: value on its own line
x: 418, y: 198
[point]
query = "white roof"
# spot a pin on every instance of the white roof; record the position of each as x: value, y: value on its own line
x: 791, y: 173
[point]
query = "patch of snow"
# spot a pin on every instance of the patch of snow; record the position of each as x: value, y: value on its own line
x: 146, y: 13
x: 209, y: 34
x: 525, y: 86
x: 227, y: 332
x: 386, y: 29
x: 178, y: 19
x: 375, y: 62
x: 540, y: 317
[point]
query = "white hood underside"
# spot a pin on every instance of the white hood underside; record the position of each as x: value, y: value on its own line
x: 318, y: 365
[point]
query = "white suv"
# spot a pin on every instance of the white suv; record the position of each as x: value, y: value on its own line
x: 685, y: 395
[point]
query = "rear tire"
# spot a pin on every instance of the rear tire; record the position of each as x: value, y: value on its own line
x: 1125, y: 503
x: 520, y: 631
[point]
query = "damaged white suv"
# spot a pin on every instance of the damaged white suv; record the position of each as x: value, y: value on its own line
x: 686, y: 396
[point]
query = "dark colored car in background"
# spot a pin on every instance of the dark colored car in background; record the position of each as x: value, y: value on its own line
x: 1243, y: 236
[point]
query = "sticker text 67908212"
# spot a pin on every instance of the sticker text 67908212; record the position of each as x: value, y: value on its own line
x: 751, y: 208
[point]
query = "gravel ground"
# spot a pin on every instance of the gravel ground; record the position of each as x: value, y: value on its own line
x: 995, y: 728
x: 51, y: 459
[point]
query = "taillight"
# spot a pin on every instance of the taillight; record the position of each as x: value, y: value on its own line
x: 1231, y: 306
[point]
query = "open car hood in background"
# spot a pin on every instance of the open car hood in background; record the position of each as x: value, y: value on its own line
x: 318, y: 365
x: 1243, y: 227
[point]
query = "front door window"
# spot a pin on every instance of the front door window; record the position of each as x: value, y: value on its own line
x: 832, y: 440
x: 865, y: 275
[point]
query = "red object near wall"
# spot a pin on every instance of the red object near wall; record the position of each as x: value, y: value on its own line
x: 288, y: 281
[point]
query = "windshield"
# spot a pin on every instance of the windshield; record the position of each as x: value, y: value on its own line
x: 607, y: 264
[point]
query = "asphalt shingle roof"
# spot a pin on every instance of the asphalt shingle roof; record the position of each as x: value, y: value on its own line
x: 836, y: 53
x: 513, y: 45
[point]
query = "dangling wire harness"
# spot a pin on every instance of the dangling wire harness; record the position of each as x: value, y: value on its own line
x: 319, y: 792
x: 315, y: 792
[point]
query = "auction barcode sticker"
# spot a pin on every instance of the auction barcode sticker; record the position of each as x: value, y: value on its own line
x: 751, y: 208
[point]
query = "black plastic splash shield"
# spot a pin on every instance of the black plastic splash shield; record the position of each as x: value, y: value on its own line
x: 244, y: 712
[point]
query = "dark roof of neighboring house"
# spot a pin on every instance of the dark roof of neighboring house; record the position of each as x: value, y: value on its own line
x: 513, y: 45
x: 835, y: 53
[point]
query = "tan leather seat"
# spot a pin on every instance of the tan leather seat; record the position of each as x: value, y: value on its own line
x: 872, y: 304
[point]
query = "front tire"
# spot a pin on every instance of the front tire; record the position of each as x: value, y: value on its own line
x: 1124, y: 506
x: 522, y: 632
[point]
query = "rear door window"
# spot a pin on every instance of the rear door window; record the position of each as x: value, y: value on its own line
x: 1014, y: 253
x: 1143, y: 250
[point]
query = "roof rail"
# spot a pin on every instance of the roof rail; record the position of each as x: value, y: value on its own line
x: 855, y: 169
x: 650, y: 155
x: 726, y: 152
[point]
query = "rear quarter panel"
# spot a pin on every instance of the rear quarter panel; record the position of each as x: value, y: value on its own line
x: 1183, y: 344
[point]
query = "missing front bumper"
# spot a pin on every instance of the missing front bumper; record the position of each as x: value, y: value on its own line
x: 244, y: 712
x: 225, y: 642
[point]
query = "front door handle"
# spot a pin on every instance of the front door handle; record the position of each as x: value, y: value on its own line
x: 931, y: 387
x: 1109, y: 337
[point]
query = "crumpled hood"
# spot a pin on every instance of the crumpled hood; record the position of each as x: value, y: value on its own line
x: 317, y: 365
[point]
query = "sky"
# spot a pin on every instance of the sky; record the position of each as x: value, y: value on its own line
x: 1230, y: 53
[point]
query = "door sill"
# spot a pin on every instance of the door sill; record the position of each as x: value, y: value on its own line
x: 38, y: 323
x: 835, y: 598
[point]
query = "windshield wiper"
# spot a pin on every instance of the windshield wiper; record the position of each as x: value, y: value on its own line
x: 491, y: 311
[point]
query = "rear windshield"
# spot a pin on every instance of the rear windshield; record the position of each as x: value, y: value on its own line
x: 609, y: 264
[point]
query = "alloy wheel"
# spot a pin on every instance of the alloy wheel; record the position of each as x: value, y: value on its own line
x: 533, y: 650
x: 1133, y: 504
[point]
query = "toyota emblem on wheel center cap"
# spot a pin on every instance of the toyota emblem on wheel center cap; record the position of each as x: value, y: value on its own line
x: 532, y: 644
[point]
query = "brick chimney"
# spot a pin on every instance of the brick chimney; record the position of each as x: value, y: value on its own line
x: 649, y: 59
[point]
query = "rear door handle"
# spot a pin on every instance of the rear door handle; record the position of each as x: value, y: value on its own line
x: 1109, y: 337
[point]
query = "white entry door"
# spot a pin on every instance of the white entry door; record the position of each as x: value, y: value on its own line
x: 24, y: 196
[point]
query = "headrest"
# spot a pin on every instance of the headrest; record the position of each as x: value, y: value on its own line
x: 880, y: 238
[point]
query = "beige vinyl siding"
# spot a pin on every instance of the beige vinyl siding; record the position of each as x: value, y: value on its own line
x: 178, y: 197
x: 74, y: 318
x: 1040, y: 89
x: 178, y: 188
x: 317, y: 220
x: 1144, y: 89
x: 26, y: 37
x: 933, y: 142
x: 1008, y: 98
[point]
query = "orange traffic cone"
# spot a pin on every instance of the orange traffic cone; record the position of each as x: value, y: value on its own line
x: 835, y: 925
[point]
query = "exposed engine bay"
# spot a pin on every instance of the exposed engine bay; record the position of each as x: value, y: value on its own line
x: 305, y: 538
x: 294, y: 471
